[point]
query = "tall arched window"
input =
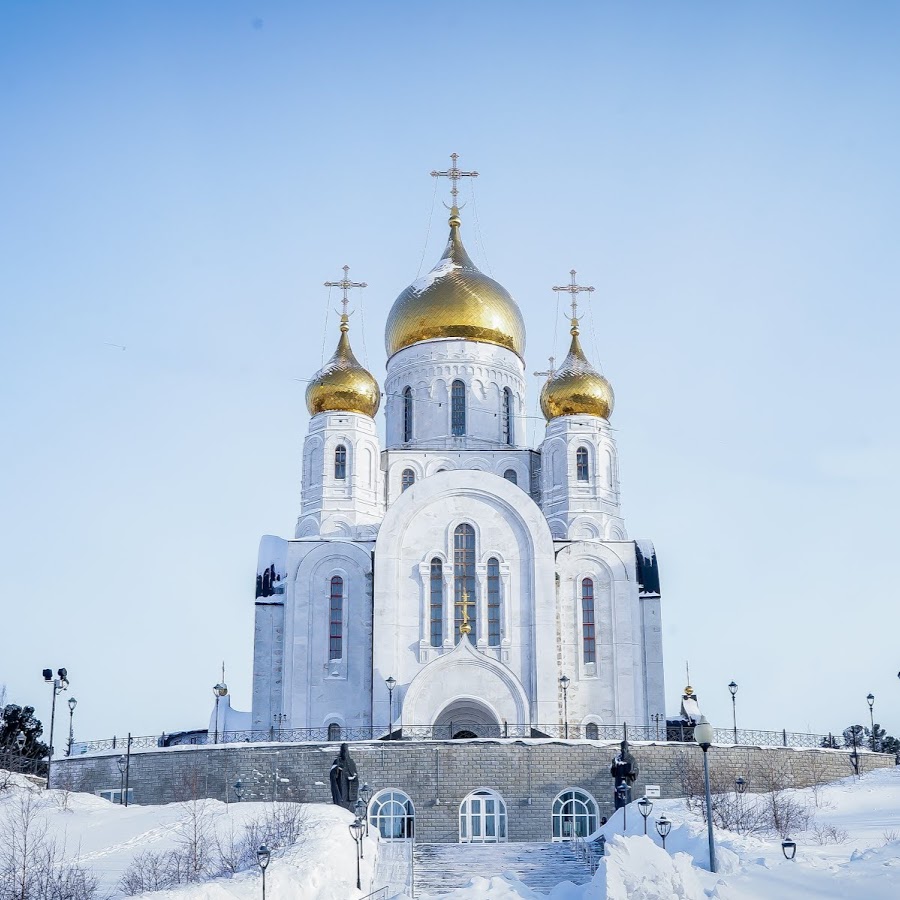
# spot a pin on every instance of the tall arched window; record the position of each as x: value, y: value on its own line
x: 407, y: 414
x: 407, y: 479
x: 493, y: 608
x: 340, y: 461
x: 510, y: 475
x: 464, y: 577
x: 334, y: 732
x: 437, y: 603
x: 458, y: 409
x: 574, y: 815
x: 507, y: 416
x: 392, y: 813
x: 336, y: 618
x: 581, y: 464
x: 588, y: 635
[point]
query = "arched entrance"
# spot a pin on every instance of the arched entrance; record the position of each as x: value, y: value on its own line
x: 482, y: 818
x: 466, y: 717
x: 574, y: 815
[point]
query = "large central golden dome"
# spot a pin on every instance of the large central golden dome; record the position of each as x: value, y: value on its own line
x: 455, y: 300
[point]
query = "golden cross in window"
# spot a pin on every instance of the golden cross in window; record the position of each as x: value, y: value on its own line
x: 574, y: 289
x: 454, y: 174
x: 464, y: 603
x: 346, y: 284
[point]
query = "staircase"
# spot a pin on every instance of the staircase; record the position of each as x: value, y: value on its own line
x: 442, y: 868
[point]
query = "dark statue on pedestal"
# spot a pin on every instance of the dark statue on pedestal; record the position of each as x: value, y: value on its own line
x: 624, y: 770
x: 344, y: 780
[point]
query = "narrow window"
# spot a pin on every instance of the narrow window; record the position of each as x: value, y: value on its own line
x: 464, y: 578
x: 587, y: 621
x: 493, y: 587
x: 334, y: 732
x: 407, y: 414
x: 458, y: 409
x: 510, y: 475
x: 591, y: 731
x: 407, y: 479
x: 581, y: 464
x: 437, y: 603
x: 507, y: 416
x: 340, y: 461
x: 336, y: 617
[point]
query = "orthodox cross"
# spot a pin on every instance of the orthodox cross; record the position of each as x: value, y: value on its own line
x: 550, y: 371
x: 574, y: 289
x: 346, y: 284
x: 463, y: 602
x: 454, y: 174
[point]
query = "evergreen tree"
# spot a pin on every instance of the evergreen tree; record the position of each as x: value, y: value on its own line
x: 879, y: 734
x: 855, y: 736
x: 14, y: 719
x: 831, y: 742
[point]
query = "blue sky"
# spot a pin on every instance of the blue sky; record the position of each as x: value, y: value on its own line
x: 179, y: 179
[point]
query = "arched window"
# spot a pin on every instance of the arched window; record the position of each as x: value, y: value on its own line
x: 340, y: 461
x: 510, y: 475
x: 407, y: 479
x: 592, y: 731
x: 588, y: 635
x: 493, y: 608
x: 437, y: 603
x: 407, y: 414
x: 482, y: 818
x: 574, y: 815
x: 458, y: 409
x: 507, y: 416
x: 393, y: 814
x: 336, y: 618
x: 581, y: 464
x: 464, y: 577
x: 334, y: 732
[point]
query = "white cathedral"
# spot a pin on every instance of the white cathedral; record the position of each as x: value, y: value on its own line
x: 455, y: 582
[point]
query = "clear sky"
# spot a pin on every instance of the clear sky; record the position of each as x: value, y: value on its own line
x: 180, y: 178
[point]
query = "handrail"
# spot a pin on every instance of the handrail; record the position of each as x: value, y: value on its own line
x: 380, y: 894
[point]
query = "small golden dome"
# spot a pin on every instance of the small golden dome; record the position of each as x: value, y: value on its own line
x: 455, y: 300
x: 342, y: 384
x: 576, y: 387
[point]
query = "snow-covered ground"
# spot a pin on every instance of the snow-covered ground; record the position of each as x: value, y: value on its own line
x: 105, y: 838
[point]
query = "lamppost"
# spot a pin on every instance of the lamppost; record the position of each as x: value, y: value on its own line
x: 622, y: 791
x: 645, y: 807
x: 219, y: 691
x: 733, y: 688
x: 564, y: 684
x: 263, y: 856
x: 121, y: 762
x: 239, y: 789
x: 356, y: 832
x: 788, y: 848
x: 360, y: 809
x: 663, y: 827
x: 365, y: 793
x: 72, y: 704
x: 657, y: 718
x: 740, y: 785
x: 59, y: 684
x: 20, y: 746
x: 703, y: 734
x: 870, y: 699
x: 391, y: 682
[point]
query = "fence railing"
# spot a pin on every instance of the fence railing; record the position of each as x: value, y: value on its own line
x: 380, y: 894
x: 13, y: 761
x: 458, y: 730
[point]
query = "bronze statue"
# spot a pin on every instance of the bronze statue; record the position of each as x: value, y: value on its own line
x: 624, y: 770
x: 344, y: 780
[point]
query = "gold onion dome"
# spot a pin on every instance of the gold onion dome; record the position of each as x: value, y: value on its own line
x: 455, y: 300
x: 576, y: 387
x: 342, y: 384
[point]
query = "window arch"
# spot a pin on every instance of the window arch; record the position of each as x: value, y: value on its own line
x: 340, y: 461
x: 592, y: 731
x: 574, y: 815
x: 458, y: 408
x: 464, y: 578
x: 482, y: 818
x: 510, y: 475
x: 493, y: 604
x: 581, y: 464
x: 507, y: 416
x: 588, y: 634
x: 334, y: 732
x: 336, y: 618
x: 393, y: 814
x: 407, y: 414
x: 436, y: 605
x: 407, y: 479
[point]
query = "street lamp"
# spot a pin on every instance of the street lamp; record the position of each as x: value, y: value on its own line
x: 72, y: 704
x: 360, y: 809
x: 663, y: 827
x: 239, y: 789
x: 365, y: 793
x: 121, y: 762
x: 356, y: 832
x: 740, y: 784
x: 391, y: 683
x: 788, y: 848
x: 645, y: 807
x: 263, y: 857
x: 564, y: 684
x: 703, y: 734
x: 733, y: 688
x: 59, y: 684
x: 622, y: 791
x: 870, y: 699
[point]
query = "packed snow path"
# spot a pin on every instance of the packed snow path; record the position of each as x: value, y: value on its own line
x: 442, y: 868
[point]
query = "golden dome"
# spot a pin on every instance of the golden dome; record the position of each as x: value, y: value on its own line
x: 342, y: 384
x: 576, y: 387
x: 455, y: 300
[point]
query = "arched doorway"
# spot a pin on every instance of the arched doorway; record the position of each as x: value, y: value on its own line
x: 482, y: 818
x: 393, y: 815
x: 466, y: 718
x: 574, y: 815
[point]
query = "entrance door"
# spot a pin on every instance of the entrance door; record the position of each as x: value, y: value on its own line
x: 482, y: 818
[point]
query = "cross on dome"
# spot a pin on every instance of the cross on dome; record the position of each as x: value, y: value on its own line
x: 454, y: 174
x: 345, y: 283
x: 574, y: 289
x: 551, y: 370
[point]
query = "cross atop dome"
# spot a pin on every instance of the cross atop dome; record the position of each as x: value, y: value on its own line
x: 454, y: 174
x: 574, y: 289
x: 346, y: 284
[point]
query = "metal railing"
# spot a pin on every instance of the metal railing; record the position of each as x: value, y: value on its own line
x: 380, y: 894
x: 13, y: 761
x: 591, y: 852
